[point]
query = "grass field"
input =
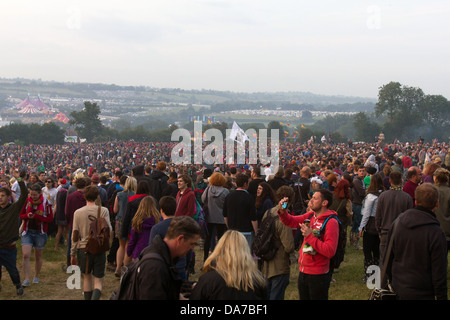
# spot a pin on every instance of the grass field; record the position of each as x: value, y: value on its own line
x: 53, y: 280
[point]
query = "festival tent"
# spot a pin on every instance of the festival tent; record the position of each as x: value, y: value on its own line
x: 29, y: 109
x: 37, y: 103
x: 24, y: 103
x: 61, y: 117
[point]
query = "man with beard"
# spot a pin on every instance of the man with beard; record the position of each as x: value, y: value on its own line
x: 318, y: 246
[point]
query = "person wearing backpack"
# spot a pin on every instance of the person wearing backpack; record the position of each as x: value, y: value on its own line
x: 160, y: 180
x: 157, y: 277
x: 277, y: 270
x: 91, y: 265
x: 314, y: 263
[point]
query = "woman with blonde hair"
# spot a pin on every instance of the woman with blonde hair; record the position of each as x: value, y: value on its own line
x: 145, y: 218
x: 120, y: 207
x: 230, y: 272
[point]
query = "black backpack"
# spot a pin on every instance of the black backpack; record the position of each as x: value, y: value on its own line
x: 264, y: 245
x: 157, y: 187
x: 338, y: 257
x: 128, y: 281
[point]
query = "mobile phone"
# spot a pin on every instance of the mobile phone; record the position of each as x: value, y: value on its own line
x: 284, y: 205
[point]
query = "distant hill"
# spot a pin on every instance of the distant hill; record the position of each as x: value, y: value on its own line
x: 146, y: 96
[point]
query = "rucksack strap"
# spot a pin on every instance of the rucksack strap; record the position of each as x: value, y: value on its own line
x: 326, y: 220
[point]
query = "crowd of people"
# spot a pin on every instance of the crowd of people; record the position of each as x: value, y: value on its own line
x: 318, y: 192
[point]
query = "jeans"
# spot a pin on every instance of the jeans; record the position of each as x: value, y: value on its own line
x: 371, y: 247
x: 8, y: 259
x: 69, y: 246
x: 35, y: 239
x: 357, y: 217
x: 210, y: 241
x: 313, y: 287
x: 249, y: 237
x: 276, y: 286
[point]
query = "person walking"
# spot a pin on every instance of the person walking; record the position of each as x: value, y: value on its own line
x: 9, y: 226
x: 239, y: 209
x: 158, y: 278
x: 145, y: 218
x: 418, y: 270
x: 358, y: 193
x: 60, y: 215
x: 120, y: 207
x: 390, y: 204
x: 74, y: 201
x: 214, y: 197
x: 92, y: 266
x: 36, y: 215
x: 441, y: 179
x: 367, y: 229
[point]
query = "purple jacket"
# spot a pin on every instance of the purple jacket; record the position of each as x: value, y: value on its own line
x: 139, y: 240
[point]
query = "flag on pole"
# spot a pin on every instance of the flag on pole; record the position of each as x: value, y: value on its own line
x: 238, y: 134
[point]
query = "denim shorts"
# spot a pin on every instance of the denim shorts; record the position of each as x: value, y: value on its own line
x: 35, y: 239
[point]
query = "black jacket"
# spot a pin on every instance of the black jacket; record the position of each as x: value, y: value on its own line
x: 211, y: 286
x: 132, y: 207
x: 159, y: 183
x: 419, y: 265
x: 158, y: 279
x: 277, y: 182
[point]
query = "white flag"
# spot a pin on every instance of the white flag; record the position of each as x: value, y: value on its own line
x: 238, y: 134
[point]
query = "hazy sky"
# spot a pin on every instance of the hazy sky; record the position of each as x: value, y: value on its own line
x: 326, y: 47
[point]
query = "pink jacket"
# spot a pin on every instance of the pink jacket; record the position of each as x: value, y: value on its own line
x: 325, y: 245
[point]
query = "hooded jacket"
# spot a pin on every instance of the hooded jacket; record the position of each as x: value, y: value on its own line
x: 186, y: 205
x: 139, y: 240
x: 325, y: 245
x: 216, y: 198
x: 419, y: 266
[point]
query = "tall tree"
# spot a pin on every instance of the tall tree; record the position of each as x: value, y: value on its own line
x: 403, y: 106
x: 87, y: 121
x: 389, y: 97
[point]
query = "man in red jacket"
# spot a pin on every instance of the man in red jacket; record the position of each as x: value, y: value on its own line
x: 414, y: 176
x: 186, y: 205
x: 317, y: 248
